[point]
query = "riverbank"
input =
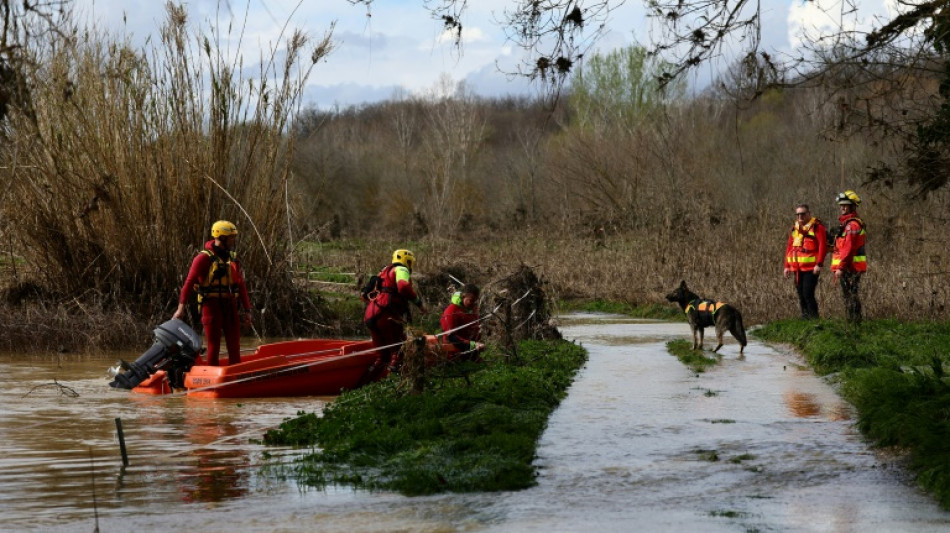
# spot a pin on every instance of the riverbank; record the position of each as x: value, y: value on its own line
x: 474, y: 428
x: 753, y: 444
x: 894, y: 373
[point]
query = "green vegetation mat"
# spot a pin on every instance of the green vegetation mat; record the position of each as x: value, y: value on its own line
x: 894, y: 374
x: 476, y: 432
x: 696, y: 360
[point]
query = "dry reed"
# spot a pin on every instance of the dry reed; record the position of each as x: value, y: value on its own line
x: 114, y: 174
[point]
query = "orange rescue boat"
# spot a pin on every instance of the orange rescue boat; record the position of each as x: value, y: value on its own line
x: 306, y: 367
x: 309, y: 367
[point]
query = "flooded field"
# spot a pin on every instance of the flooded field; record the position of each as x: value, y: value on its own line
x: 641, y: 443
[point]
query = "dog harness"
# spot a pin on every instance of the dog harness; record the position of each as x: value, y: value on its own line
x: 705, y: 311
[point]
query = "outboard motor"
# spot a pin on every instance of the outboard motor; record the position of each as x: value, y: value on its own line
x: 175, y: 349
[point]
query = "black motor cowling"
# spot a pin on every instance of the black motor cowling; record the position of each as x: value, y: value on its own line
x: 175, y: 349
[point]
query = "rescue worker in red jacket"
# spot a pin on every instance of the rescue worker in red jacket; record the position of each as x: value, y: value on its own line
x: 805, y: 256
x: 218, y: 279
x: 387, y: 311
x: 848, y: 260
x: 460, y: 321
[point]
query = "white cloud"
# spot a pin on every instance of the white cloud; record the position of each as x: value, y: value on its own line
x: 397, y: 43
x: 469, y: 35
x: 808, y: 21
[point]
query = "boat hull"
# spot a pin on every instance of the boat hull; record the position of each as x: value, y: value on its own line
x: 309, y: 367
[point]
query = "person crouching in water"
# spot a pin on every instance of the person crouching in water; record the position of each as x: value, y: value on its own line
x: 460, y: 320
x: 218, y: 279
x: 387, y: 312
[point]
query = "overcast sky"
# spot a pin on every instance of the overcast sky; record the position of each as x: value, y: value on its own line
x: 397, y: 46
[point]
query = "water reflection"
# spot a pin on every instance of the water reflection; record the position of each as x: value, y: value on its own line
x: 60, y: 461
x: 640, y: 443
x: 802, y: 405
x: 216, y: 471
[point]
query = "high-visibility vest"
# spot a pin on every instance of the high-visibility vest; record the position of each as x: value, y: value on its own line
x: 803, y: 255
x: 706, y: 310
x: 859, y: 261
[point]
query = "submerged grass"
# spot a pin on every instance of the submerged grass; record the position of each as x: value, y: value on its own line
x: 894, y: 374
x: 460, y: 435
x: 694, y: 359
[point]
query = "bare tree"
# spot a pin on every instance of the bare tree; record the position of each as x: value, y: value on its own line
x: 556, y: 34
x: 456, y: 130
x: 23, y: 24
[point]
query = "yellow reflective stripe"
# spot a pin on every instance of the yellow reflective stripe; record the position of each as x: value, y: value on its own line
x: 806, y: 259
x: 860, y: 259
x: 835, y: 261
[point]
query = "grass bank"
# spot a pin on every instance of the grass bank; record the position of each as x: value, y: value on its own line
x: 469, y: 433
x: 894, y: 374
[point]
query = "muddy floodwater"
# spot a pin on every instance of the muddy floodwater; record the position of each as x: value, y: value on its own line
x: 641, y: 443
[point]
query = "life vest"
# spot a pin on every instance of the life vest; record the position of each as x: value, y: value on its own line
x: 223, y: 278
x: 387, y: 294
x: 705, y: 311
x: 859, y: 261
x: 805, y: 246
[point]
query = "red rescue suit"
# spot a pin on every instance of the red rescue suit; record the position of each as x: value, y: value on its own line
x: 462, y: 325
x: 848, y: 255
x: 807, y: 246
x: 387, y: 313
x: 216, y: 276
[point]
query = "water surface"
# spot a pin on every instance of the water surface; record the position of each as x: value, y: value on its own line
x: 641, y: 443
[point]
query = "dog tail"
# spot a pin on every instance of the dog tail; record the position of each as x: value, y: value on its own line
x: 739, y: 333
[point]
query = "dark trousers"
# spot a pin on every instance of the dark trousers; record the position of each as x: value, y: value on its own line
x: 849, y: 289
x: 805, y: 285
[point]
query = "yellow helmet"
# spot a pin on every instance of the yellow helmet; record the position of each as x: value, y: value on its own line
x: 405, y: 257
x: 848, y: 197
x: 223, y: 227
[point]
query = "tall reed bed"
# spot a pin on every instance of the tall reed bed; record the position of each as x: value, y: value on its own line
x: 704, y: 192
x: 114, y: 173
x: 739, y: 260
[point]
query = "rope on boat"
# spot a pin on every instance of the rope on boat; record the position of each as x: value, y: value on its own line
x: 258, y: 376
x: 304, y: 365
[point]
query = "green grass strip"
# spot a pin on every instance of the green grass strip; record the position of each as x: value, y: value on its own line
x: 696, y: 360
x: 461, y: 435
x: 894, y: 375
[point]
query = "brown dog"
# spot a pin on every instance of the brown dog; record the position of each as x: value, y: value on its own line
x: 704, y: 313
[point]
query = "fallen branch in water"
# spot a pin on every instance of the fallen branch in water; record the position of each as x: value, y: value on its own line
x: 63, y: 389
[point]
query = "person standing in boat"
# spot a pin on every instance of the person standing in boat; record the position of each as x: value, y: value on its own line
x: 460, y: 321
x: 217, y: 278
x: 387, y: 310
